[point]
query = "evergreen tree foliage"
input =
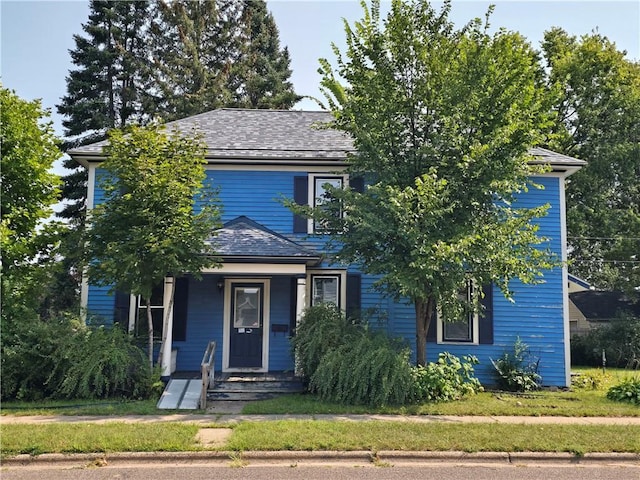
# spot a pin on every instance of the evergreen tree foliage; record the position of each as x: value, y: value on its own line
x: 260, y: 75
x: 191, y: 46
x: 442, y: 120
x: 206, y: 55
x: 104, y: 91
x: 164, y: 60
x: 597, y: 99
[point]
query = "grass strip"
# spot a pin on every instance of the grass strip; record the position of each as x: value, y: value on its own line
x: 81, y: 407
x: 310, y: 435
x: 375, y: 435
x: 97, y: 438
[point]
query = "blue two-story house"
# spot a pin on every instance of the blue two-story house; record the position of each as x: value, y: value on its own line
x: 273, y: 267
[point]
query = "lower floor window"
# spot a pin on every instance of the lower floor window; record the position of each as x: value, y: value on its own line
x: 463, y: 329
x: 180, y: 299
x: 325, y: 289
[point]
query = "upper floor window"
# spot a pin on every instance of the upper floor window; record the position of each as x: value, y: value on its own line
x: 319, y: 196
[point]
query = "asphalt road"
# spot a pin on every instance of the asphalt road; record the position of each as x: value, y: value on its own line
x: 329, y: 472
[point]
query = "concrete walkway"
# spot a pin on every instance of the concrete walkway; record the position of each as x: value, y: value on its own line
x: 205, y: 419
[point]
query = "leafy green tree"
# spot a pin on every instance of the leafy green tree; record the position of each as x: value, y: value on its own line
x: 442, y: 121
x: 597, y: 99
x: 29, y: 189
x: 148, y: 228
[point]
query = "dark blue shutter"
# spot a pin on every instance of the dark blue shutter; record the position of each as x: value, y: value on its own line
x: 357, y: 184
x: 180, y: 309
x: 485, y: 326
x: 121, y: 309
x: 300, y: 196
x: 354, y: 293
x: 431, y: 331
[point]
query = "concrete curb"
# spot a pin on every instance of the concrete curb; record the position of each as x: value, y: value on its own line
x: 226, y: 458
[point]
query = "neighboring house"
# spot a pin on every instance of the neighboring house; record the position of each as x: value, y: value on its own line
x: 272, y: 269
x: 577, y: 322
x: 595, y: 308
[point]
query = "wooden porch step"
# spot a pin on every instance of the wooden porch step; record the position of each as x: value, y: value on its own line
x: 247, y: 387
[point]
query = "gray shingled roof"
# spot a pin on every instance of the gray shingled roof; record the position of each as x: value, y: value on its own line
x: 247, y: 133
x: 236, y: 133
x: 554, y: 158
x: 244, y: 239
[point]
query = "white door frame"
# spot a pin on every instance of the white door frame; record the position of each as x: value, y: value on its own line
x: 266, y: 288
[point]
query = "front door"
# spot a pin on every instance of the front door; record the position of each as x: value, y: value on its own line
x: 247, y: 318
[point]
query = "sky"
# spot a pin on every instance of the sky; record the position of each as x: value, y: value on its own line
x: 36, y: 36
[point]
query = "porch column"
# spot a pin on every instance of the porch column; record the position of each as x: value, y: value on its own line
x: 165, y: 362
x: 301, y: 303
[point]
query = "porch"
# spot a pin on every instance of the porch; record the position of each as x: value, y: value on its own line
x: 183, y: 392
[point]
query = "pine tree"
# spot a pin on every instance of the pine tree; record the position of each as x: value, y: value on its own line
x: 190, y: 48
x: 103, y: 92
x: 207, y: 55
x: 260, y: 77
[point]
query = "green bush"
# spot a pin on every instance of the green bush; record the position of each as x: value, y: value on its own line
x: 587, y: 381
x: 516, y: 371
x: 106, y: 363
x: 31, y: 353
x: 350, y: 364
x: 626, y: 391
x: 448, y: 379
x: 62, y: 358
x: 323, y: 328
x: 620, y: 339
x: 371, y: 369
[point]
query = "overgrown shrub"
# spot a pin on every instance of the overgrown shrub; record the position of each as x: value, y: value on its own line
x: 323, y: 328
x: 620, y: 339
x: 626, y: 391
x: 348, y: 363
x: 31, y: 351
x: 371, y: 369
x: 517, y: 371
x: 447, y: 379
x: 106, y: 363
x: 62, y: 358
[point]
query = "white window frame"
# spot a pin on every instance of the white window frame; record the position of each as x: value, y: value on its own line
x: 473, y: 317
x: 312, y: 197
x: 341, y: 275
x: 141, y: 309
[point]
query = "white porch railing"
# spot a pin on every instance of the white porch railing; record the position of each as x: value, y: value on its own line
x: 207, y: 368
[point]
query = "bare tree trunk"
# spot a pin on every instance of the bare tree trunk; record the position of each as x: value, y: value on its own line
x: 150, y: 326
x: 165, y: 321
x: 424, y: 312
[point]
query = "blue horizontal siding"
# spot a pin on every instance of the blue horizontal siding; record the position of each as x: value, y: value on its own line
x: 536, y: 316
x: 100, y: 306
x: 204, y: 323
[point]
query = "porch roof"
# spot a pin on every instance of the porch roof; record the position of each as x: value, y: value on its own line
x: 243, y: 240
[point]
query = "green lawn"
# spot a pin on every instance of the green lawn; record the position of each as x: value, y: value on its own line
x: 582, y: 402
x: 320, y: 435
x: 574, y: 403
